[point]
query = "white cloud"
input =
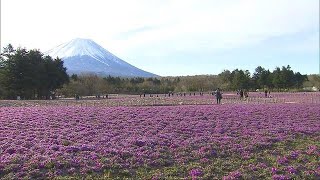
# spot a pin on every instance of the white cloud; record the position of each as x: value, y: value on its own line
x: 239, y: 20
x: 201, y: 24
x: 167, y: 25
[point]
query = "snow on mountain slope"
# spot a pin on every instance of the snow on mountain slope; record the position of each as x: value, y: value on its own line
x: 86, y: 56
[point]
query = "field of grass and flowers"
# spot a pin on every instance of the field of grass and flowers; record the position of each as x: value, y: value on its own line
x: 240, y: 139
x: 115, y: 100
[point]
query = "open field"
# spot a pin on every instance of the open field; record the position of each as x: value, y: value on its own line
x: 165, y: 100
x: 148, y: 138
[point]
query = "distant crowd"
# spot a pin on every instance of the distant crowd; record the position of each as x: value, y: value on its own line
x: 242, y: 94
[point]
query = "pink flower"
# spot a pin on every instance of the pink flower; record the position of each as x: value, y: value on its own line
x: 282, y: 160
x: 292, y: 170
x: 274, y: 170
x: 194, y: 173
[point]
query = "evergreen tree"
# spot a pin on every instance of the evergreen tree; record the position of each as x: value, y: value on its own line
x: 30, y: 74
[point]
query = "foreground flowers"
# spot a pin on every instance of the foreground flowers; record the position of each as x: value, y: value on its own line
x: 227, y: 141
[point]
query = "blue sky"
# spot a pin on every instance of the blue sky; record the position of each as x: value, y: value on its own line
x: 175, y: 37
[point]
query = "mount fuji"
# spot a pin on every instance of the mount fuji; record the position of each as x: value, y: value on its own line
x: 84, y: 56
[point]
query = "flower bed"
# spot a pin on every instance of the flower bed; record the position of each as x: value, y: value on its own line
x: 161, y: 141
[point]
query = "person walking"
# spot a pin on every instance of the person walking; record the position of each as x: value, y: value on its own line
x: 218, y: 95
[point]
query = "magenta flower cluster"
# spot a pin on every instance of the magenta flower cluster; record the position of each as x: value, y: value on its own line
x: 56, y: 141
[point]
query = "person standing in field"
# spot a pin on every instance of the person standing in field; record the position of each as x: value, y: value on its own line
x: 265, y: 93
x: 241, y: 94
x: 218, y: 95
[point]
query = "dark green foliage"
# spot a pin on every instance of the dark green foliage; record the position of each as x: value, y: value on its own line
x: 261, y: 78
x: 240, y: 79
x: 30, y: 74
x: 285, y: 78
x: 280, y: 79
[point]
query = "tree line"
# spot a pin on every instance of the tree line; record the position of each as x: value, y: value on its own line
x: 30, y: 74
x: 280, y: 79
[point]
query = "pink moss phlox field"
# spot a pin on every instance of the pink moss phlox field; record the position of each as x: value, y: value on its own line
x: 54, y: 141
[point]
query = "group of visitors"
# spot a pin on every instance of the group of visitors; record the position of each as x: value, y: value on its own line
x: 242, y: 93
x: 218, y: 94
x: 266, y: 93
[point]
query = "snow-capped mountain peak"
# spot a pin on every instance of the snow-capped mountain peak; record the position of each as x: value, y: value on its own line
x: 80, y: 47
x: 86, y: 56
